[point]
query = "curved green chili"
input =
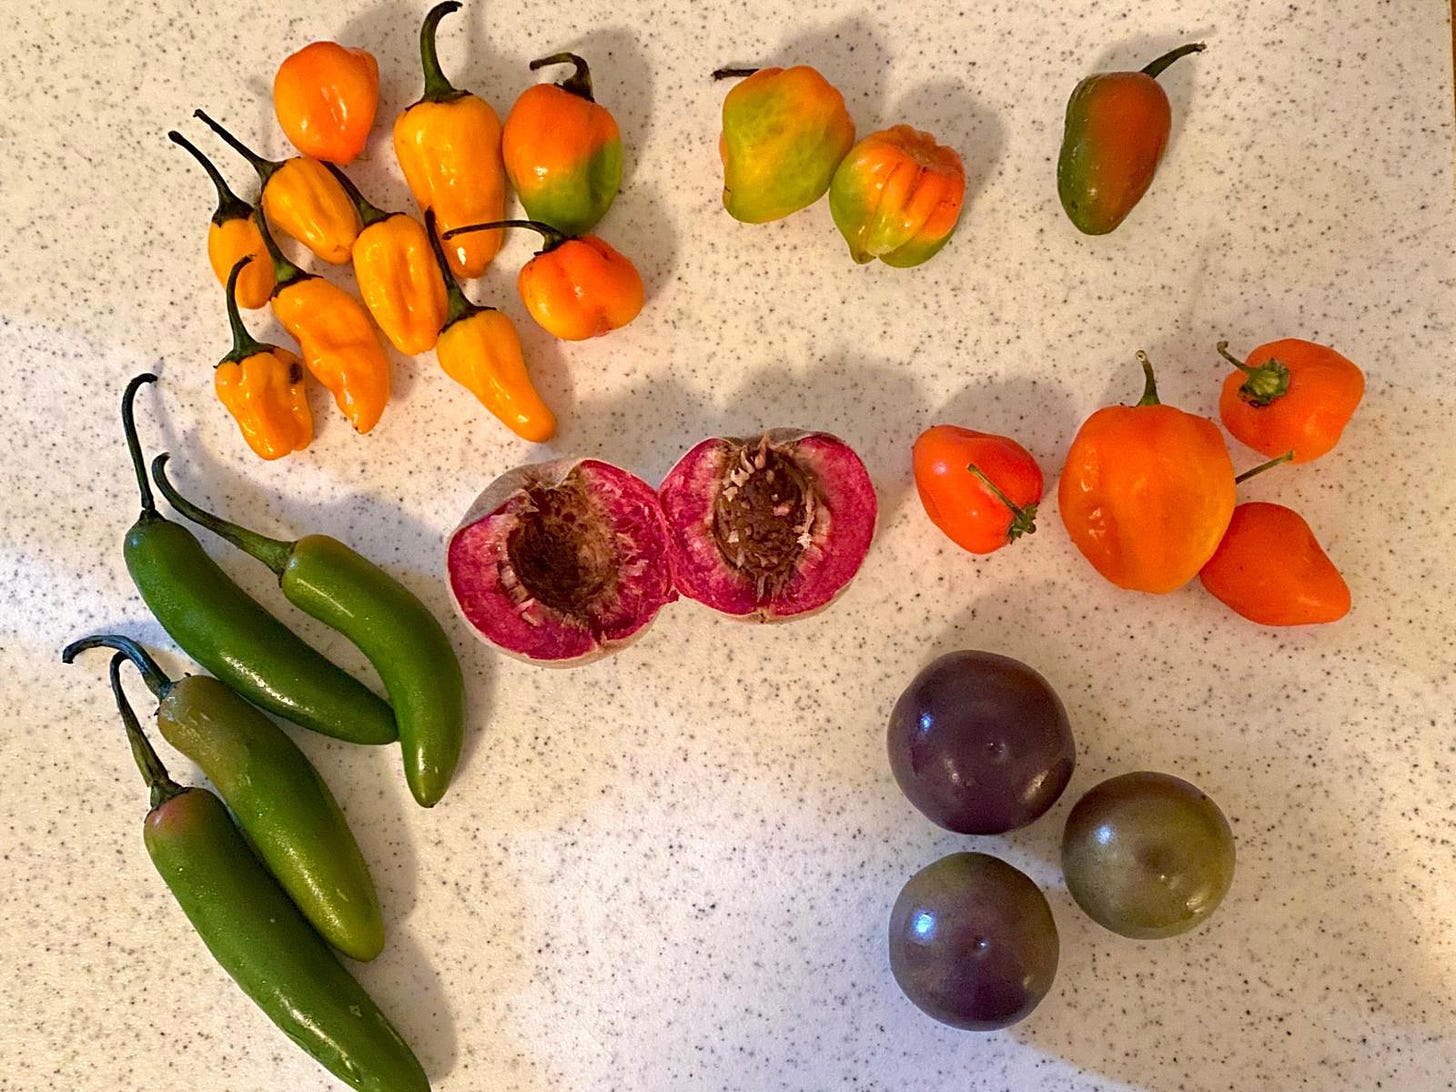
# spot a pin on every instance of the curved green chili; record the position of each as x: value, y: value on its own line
x: 287, y: 811
x: 397, y: 632
x: 258, y: 936
x: 230, y: 633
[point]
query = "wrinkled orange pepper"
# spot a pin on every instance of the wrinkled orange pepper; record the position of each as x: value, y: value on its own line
x: 1290, y: 395
x: 1147, y: 491
x: 302, y: 199
x: 449, y: 146
x: 233, y: 235
x: 398, y: 279
x: 262, y: 387
x: 325, y: 96
x: 576, y: 287
x: 479, y: 349
x: 334, y: 335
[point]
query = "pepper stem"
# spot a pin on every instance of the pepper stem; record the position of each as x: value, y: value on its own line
x: 133, y: 445
x: 1247, y: 474
x: 264, y: 167
x: 732, y: 73
x: 458, y: 306
x: 270, y: 551
x: 578, y: 83
x: 162, y: 787
x: 437, y: 87
x: 1155, y: 68
x: 284, y: 271
x: 552, y: 237
x: 244, y: 343
x: 229, y: 205
x: 152, y: 674
x: 1023, y: 517
x: 1150, y: 385
x: 1262, y: 383
x: 368, y: 213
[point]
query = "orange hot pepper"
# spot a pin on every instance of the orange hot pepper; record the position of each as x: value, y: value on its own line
x: 262, y: 387
x: 576, y: 287
x: 302, y: 198
x: 449, y: 146
x: 233, y: 235
x: 325, y: 96
x: 334, y: 334
x: 1290, y: 395
x: 1270, y: 569
x: 397, y: 275
x: 479, y: 349
x: 1147, y: 492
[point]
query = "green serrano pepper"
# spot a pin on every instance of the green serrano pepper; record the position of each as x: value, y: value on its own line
x: 284, y: 807
x: 399, y: 635
x: 258, y: 936
x: 230, y: 633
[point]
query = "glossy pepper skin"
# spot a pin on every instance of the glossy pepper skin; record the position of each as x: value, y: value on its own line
x: 479, y: 349
x: 981, y: 489
x: 449, y: 146
x: 262, y: 387
x: 290, y: 817
x: 785, y: 131
x: 325, y: 97
x: 398, y: 279
x: 897, y: 196
x: 334, y: 334
x: 1271, y: 569
x: 302, y: 199
x: 232, y: 236
x: 399, y: 635
x: 229, y: 632
x: 258, y: 936
x: 1116, y: 128
x: 1146, y: 492
x: 1290, y: 395
x: 563, y: 151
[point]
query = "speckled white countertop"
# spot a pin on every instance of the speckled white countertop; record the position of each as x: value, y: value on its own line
x: 673, y: 869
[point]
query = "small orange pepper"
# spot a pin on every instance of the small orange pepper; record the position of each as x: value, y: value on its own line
x: 576, y: 287
x: 335, y: 336
x: 325, y: 96
x: 479, y: 349
x: 262, y: 387
x: 1290, y: 395
x: 233, y: 235
x: 302, y: 199
x: 1147, y: 491
x: 1270, y: 569
x: 449, y: 146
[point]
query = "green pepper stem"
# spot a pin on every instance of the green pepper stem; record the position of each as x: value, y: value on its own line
x: 133, y: 445
x: 437, y: 87
x: 1247, y: 474
x: 1263, y: 383
x: 578, y: 83
x: 244, y: 343
x: 272, y: 552
x: 285, y: 272
x: 1150, y: 385
x: 732, y: 73
x: 229, y: 205
x: 1023, y: 517
x: 264, y: 167
x: 162, y: 787
x: 151, y: 672
x: 368, y: 213
x: 458, y: 306
x: 1155, y: 68
x: 552, y: 237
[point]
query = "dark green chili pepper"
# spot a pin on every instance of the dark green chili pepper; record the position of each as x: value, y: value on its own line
x: 284, y: 807
x: 258, y: 936
x: 229, y: 632
x: 397, y: 632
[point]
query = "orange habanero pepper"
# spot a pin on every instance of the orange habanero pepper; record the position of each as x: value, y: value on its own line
x: 449, y: 146
x: 325, y: 96
x: 1271, y: 569
x: 479, y: 349
x: 233, y: 235
x: 302, y: 198
x: 262, y: 387
x: 576, y: 287
x: 397, y: 275
x: 1290, y: 395
x: 1147, y: 491
x: 334, y: 334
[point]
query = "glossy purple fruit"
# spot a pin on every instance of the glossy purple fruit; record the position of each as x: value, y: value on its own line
x: 769, y: 527
x: 561, y: 562
x: 973, y: 942
x: 980, y: 743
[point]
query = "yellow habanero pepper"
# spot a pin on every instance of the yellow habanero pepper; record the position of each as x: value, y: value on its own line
x: 333, y: 332
x: 302, y: 198
x: 262, y: 387
x: 479, y: 349
x: 233, y: 235
x: 397, y: 275
x: 449, y: 146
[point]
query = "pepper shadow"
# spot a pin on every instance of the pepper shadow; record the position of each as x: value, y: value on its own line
x: 409, y: 991
x: 640, y: 225
x: 849, y: 53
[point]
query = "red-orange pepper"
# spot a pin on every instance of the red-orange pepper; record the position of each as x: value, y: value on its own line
x: 1147, y: 491
x: 325, y: 96
x: 1290, y: 395
x: 1270, y: 569
x: 232, y: 236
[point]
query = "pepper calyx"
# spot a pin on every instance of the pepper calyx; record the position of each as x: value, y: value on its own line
x: 578, y: 83
x: 437, y: 87
x: 244, y: 343
x: 457, y: 306
x: 1263, y: 383
x: 1023, y: 516
x: 229, y: 205
x: 272, y: 552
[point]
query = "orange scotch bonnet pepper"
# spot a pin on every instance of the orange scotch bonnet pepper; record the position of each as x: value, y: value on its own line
x: 449, y: 146
x: 232, y: 236
x: 1147, y: 491
x: 1271, y: 569
x: 1290, y: 395
x: 325, y: 96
